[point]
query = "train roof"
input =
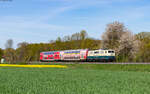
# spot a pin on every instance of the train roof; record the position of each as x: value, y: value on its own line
x: 64, y: 50
x: 75, y: 50
x: 102, y: 49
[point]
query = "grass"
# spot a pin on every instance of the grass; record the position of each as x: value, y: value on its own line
x: 77, y: 79
x: 112, y: 67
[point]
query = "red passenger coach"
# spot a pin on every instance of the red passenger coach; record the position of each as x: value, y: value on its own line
x: 50, y: 56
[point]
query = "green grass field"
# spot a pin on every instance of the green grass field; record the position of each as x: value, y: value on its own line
x: 77, y: 79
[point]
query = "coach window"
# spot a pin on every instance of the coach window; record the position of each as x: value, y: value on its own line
x: 96, y: 52
x: 105, y: 51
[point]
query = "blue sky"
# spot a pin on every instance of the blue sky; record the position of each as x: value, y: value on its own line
x: 36, y: 21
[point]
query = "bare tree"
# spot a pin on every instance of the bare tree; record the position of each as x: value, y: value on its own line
x: 66, y: 38
x: 83, y: 35
x: 22, y: 51
x: 9, y: 43
x: 142, y: 35
x: 51, y: 41
x: 9, y: 51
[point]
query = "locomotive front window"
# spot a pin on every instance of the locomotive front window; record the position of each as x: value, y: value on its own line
x: 110, y: 51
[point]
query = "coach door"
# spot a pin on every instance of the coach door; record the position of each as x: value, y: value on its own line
x: 82, y: 55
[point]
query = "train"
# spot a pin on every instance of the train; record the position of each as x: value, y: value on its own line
x: 79, y: 55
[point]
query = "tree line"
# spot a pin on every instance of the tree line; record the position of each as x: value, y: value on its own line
x: 129, y: 47
x: 31, y: 51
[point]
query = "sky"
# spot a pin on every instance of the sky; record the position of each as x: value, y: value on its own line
x: 36, y: 21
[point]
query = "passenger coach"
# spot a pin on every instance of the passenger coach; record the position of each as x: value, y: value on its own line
x: 50, y: 56
x: 74, y: 55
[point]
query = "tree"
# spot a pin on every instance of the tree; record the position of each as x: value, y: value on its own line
x: 143, y: 35
x: 144, y: 53
x: 9, y: 52
x: 1, y: 53
x: 113, y: 33
x: 128, y: 46
x: 9, y: 43
x: 10, y: 55
x: 120, y: 39
x: 58, y: 39
x: 83, y: 35
x: 66, y: 38
x: 21, y: 51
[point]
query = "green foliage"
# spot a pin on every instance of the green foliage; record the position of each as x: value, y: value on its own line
x: 10, y: 55
x: 144, y: 53
x: 143, y: 35
x: 70, y: 81
x: 30, y: 52
x: 1, y: 53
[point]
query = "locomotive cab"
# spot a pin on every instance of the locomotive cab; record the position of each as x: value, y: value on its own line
x: 101, y: 55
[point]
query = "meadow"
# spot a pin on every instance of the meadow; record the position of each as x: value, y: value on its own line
x: 76, y: 79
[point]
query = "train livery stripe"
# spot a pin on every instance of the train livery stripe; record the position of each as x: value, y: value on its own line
x: 101, y: 57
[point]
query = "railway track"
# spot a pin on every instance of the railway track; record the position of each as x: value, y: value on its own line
x: 123, y: 63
